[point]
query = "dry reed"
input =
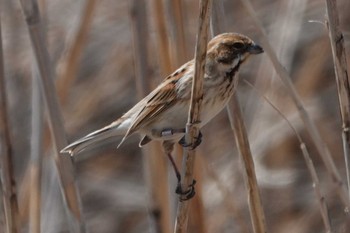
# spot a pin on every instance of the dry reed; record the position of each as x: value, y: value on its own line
x: 7, y: 175
x: 71, y: 60
x: 342, y: 78
x: 237, y: 124
x: 36, y: 153
x: 64, y: 164
x: 111, y: 184
x: 192, y: 130
x: 153, y: 161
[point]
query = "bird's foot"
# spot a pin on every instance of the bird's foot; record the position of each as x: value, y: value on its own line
x: 192, y: 146
x: 188, y: 194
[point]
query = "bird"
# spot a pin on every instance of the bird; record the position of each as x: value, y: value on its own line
x: 162, y: 115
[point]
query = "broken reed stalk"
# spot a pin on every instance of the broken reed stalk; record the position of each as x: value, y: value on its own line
x: 237, y: 124
x: 154, y: 168
x: 310, y: 165
x: 192, y: 129
x: 64, y: 164
x: 35, y: 154
x: 70, y: 62
x: 341, y: 74
x: 308, y: 123
x: 6, y: 161
x: 255, y: 205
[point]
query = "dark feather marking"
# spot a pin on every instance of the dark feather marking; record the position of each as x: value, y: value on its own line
x: 232, y: 73
x: 176, y: 73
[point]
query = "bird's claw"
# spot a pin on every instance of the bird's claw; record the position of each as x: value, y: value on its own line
x: 192, y: 146
x: 188, y: 194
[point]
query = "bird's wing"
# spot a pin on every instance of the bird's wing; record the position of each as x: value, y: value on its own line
x: 157, y: 102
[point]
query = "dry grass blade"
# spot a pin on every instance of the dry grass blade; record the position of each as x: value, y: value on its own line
x: 64, y: 163
x: 6, y: 163
x: 341, y: 74
x: 153, y: 164
x: 255, y: 206
x: 192, y: 130
x: 309, y: 124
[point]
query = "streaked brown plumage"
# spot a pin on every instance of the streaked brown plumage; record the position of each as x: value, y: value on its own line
x: 162, y: 114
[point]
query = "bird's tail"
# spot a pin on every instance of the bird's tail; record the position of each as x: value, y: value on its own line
x: 97, y: 136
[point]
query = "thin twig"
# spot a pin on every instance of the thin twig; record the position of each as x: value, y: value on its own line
x: 316, y: 183
x: 309, y: 124
x: 6, y: 163
x: 341, y: 74
x: 64, y: 164
x: 192, y: 130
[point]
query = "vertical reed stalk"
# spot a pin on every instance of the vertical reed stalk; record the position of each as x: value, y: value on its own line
x: 180, y: 53
x: 70, y: 62
x: 36, y: 152
x: 163, y: 43
x: 178, y: 47
x: 64, y: 164
x: 341, y: 74
x: 237, y: 124
x: 255, y: 205
x: 158, y: 189
x: 198, y: 219
x: 192, y: 130
x: 35, y: 155
x: 6, y: 161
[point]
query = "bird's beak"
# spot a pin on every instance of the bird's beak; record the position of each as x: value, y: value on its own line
x: 255, y: 49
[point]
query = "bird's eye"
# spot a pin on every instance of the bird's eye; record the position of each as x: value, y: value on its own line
x: 238, y: 45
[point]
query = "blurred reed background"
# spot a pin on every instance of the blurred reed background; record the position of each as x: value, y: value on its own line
x: 107, y: 54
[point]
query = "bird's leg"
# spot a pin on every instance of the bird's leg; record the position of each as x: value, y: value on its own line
x: 194, y: 145
x: 185, y: 195
x: 177, y: 172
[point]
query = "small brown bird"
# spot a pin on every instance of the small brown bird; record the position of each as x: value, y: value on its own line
x: 162, y: 115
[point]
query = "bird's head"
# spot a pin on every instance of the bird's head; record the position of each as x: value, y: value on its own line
x: 229, y: 50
